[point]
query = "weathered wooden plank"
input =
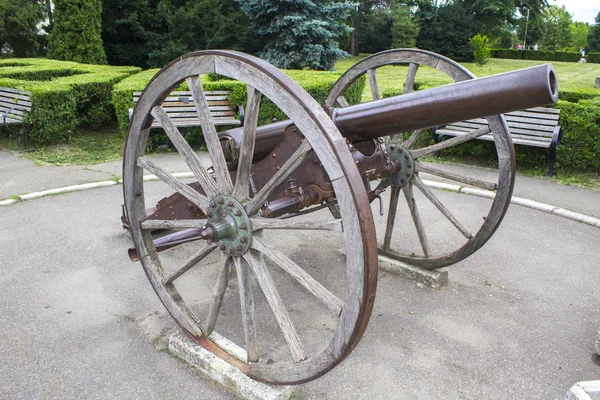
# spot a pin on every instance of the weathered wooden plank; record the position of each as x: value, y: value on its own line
x: 455, y: 141
x: 299, y: 156
x: 420, y: 167
x: 372, y: 74
x: 413, y: 138
x: 242, y: 184
x: 8, y: 101
x: 12, y: 111
x: 414, y: 212
x: 248, y: 314
x: 440, y: 206
x: 410, y: 77
x: 15, y: 91
x: 537, y: 115
x: 391, y: 219
x: 188, y: 154
x: 195, y: 122
x: 217, y: 297
x: 153, y: 224
x: 273, y: 297
x: 210, y: 136
x: 192, y: 261
x: 275, y: 223
x: 195, y: 197
x: 300, y: 275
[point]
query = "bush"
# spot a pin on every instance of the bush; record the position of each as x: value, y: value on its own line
x: 593, y: 58
x: 542, y: 55
x: 481, y: 51
x: 580, y: 143
x: 316, y: 83
x: 76, y: 32
x: 64, y: 94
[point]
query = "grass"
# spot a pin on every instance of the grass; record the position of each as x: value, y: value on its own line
x: 86, y: 147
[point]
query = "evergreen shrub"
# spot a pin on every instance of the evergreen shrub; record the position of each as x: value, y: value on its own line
x: 543, y: 55
x: 64, y: 95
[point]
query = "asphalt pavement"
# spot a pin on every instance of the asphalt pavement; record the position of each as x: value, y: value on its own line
x: 518, y: 319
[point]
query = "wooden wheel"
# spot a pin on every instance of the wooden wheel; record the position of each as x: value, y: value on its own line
x: 457, y: 231
x: 300, y: 314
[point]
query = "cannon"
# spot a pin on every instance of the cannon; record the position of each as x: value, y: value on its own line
x: 283, y: 216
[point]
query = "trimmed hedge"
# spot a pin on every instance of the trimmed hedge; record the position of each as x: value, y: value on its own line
x: 316, y: 83
x: 543, y: 55
x: 64, y: 95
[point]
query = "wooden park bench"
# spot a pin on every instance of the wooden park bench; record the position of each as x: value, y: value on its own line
x: 537, y: 127
x: 14, y: 106
x: 181, y: 108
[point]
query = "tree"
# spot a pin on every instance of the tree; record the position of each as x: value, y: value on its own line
x: 404, y: 29
x: 593, y: 38
x: 299, y: 33
x: 579, y: 33
x: 557, y: 28
x: 19, y: 26
x: 150, y: 33
x: 76, y: 33
x: 447, y: 30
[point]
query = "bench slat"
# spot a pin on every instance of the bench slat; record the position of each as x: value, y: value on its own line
x: 3, y: 110
x: 16, y: 91
x: 185, y: 108
x: 11, y: 100
x: 553, y: 117
x: 11, y: 120
x: 541, y: 130
x: 517, y: 139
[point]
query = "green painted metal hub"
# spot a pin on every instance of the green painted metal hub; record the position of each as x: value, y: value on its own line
x: 404, y: 158
x: 230, y: 225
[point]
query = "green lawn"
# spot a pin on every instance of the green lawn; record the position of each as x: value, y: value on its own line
x: 570, y: 75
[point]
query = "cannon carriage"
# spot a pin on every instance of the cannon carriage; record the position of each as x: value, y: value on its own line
x: 275, y: 245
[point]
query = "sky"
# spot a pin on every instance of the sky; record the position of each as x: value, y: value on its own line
x: 581, y: 10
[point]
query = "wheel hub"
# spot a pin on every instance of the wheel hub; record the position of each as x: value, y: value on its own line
x: 405, y: 161
x: 228, y: 224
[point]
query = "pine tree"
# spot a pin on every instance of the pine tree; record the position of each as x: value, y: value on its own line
x: 404, y: 30
x: 299, y: 33
x: 593, y: 38
x: 76, y: 32
x: 18, y: 26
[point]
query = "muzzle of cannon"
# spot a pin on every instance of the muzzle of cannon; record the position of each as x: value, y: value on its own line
x: 273, y: 242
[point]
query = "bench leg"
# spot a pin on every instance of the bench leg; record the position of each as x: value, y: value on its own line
x: 552, y: 154
x: 436, y: 139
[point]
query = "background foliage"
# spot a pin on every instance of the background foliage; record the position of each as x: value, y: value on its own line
x: 76, y: 32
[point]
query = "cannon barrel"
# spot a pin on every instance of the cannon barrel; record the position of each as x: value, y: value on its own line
x: 496, y: 94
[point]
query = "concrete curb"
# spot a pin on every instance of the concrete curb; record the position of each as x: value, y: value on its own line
x: 588, y: 390
x: 535, y: 205
x: 434, y: 279
x: 223, y: 373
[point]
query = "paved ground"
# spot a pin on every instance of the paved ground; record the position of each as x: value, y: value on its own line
x: 79, y: 320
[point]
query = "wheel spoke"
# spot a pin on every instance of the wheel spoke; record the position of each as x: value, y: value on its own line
x: 410, y: 77
x: 410, y: 199
x: 191, y: 158
x: 281, y: 314
x: 373, y: 84
x: 413, y: 138
x: 242, y: 182
x: 342, y: 101
x: 195, y: 259
x: 296, y: 272
x: 153, y: 224
x: 391, y: 216
x: 186, y: 191
x: 217, y: 297
x: 420, y: 167
x: 436, y: 202
x: 455, y: 141
x: 275, y: 223
x: 290, y: 165
x: 210, y: 135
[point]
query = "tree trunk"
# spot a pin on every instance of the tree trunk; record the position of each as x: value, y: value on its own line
x: 354, y: 42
